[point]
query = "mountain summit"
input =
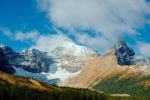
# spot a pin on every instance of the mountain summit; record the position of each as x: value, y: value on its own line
x: 123, y: 53
x: 72, y: 57
x: 5, y: 66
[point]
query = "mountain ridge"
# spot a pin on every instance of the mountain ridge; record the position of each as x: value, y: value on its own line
x: 86, y: 69
x: 64, y: 60
x: 93, y: 73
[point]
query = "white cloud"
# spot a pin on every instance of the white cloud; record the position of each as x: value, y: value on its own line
x: 148, y: 22
x: 96, y: 43
x: 110, y: 18
x: 144, y: 48
x: 6, y: 32
x: 32, y: 35
x: 49, y: 42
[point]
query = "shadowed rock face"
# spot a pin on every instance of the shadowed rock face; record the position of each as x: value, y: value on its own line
x: 9, y: 53
x: 30, y: 60
x: 4, y: 63
x: 33, y: 60
x: 123, y: 53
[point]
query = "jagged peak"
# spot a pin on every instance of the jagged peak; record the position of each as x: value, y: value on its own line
x: 29, y: 50
x: 33, y: 52
x: 121, y: 46
x: 4, y: 47
x: 120, y: 43
x: 123, y: 53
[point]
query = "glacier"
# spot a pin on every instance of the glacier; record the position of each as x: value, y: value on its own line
x: 52, y: 77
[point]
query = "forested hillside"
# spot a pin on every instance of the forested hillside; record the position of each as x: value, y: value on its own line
x: 21, y: 89
x: 133, y: 85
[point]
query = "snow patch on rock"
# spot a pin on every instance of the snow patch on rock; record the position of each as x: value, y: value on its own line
x: 141, y: 62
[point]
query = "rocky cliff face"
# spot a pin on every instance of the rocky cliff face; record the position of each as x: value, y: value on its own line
x: 123, y: 53
x: 4, y: 63
x: 126, y: 56
x: 31, y: 60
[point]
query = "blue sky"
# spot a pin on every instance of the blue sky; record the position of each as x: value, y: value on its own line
x: 96, y: 24
x: 20, y: 15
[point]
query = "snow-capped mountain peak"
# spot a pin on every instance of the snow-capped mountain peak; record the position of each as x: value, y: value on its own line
x: 72, y: 57
x: 69, y: 46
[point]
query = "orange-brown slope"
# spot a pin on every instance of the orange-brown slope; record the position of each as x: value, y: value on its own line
x: 26, y: 82
x: 125, y: 72
x: 94, y: 72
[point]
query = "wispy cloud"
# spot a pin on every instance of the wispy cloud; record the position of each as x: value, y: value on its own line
x: 6, y: 32
x: 20, y: 35
x: 32, y: 35
x: 49, y: 42
x: 96, y: 43
x: 148, y: 21
x: 144, y: 48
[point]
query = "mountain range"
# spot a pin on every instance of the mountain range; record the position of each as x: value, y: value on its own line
x: 64, y: 61
x: 118, y: 71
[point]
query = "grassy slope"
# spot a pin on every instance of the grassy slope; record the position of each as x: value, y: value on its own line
x: 132, y: 85
x: 19, y: 88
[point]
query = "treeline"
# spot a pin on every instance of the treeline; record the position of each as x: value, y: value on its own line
x: 18, y: 92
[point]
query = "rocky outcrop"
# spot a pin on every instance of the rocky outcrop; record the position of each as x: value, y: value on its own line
x: 4, y: 63
x: 31, y: 60
x: 7, y: 50
x: 123, y: 53
x: 126, y: 56
x: 9, y: 53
